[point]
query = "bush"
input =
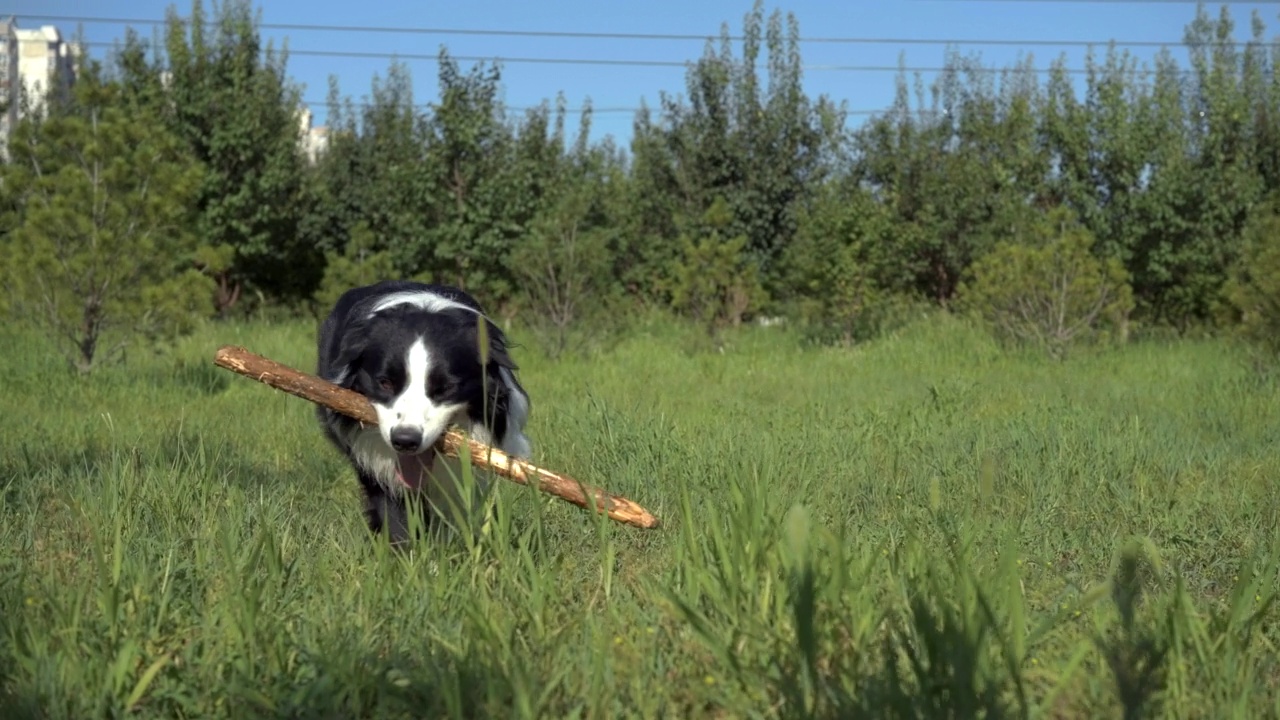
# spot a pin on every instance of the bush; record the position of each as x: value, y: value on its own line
x: 715, y: 282
x: 563, y: 273
x: 356, y: 266
x: 99, y: 243
x: 1252, y: 292
x: 1048, y: 289
x: 832, y: 273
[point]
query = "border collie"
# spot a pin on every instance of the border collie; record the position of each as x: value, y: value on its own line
x: 413, y: 349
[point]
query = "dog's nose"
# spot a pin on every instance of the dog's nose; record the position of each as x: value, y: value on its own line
x: 406, y: 439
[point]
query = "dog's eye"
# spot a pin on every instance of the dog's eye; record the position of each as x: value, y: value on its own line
x: 385, y: 384
x: 439, y: 385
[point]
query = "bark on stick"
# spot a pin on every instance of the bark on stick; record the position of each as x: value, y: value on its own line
x: 356, y: 406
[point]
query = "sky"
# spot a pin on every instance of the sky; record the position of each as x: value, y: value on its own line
x: 840, y: 70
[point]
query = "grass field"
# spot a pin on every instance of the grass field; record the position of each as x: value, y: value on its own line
x: 920, y: 527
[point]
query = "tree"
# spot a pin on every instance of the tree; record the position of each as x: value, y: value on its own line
x: 829, y: 271
x: 230, y: 100
x: 373, y: 198
x: 1252, y: 293
x: 103, y: 233
x: 957, y: 175
x: 717, y: 280
x: 1049, y: 289
x: 473, y: 209
x: 563, y: 268
x: 759, y: 145
x: 359, y: 263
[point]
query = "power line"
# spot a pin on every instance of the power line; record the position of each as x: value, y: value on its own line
x: 1119, y: 2
x: 656, y: 63
x: 568, y: 110
x: 671, y: 36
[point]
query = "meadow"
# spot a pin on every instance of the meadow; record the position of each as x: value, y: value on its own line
x: 922, y: 526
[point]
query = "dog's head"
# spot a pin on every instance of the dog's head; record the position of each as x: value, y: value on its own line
x: 424, y: 369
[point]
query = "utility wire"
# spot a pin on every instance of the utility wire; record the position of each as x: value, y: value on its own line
x: 569, y: 110
x: 673, y: 36
x: 1118, y: 2
x: 663, y: 63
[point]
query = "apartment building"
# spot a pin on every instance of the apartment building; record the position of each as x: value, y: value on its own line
x: 33, y: 64
x: 36, y: 62
x: 315, y: 139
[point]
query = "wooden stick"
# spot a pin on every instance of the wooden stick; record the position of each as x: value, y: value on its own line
x: 357, y: 406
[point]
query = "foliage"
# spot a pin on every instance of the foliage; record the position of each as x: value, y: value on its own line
x: 1253, y: 291
x: 949, y: 538
x: 230, y: 99
x: 846, y: 231
x: 716, y: 281
x: 446, y: 194
x: 1049, y: 289
x: 357, y: 265
x: 955, y: 176
x: 101, y: 247
x: 563, y: 268
x: 760, y: 148
x: 834, y: 272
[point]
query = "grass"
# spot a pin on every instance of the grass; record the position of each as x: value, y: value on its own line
x: 921, y: 527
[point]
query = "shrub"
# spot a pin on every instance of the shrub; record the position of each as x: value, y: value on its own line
x: 357, y: 265
x: 99, y: 243
x: 1048, y: 289
x: 840, y: 277
x: 563, y: 273
x: 1252, y: 292
x: 715, y: 282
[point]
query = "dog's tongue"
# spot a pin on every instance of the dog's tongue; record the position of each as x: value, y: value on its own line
x: 412, y: 469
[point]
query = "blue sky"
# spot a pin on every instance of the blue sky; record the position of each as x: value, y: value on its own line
x: 616, y: 90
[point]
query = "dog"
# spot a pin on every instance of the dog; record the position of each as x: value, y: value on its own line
x: 414, y: 350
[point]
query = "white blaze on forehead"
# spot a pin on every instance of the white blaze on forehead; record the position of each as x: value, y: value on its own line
x: 412, y: 408
x: 413, y: 403
x: 426, y: 300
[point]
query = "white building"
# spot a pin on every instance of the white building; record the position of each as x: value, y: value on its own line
x: 9, y: 80
x: 315, y: 140
x: 33, y: 63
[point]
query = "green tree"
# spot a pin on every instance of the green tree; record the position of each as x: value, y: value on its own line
x: 357, y: 263
x: 102, y: 246
x: 758, y: 144
x: 447, y: 194
x: 562, y: 268
x: 1048, y: 289
x: 372, y: 188
x: 1252, y: 293
x: 957, y: 175
x: 717, y: 280
x: 1224, y: 182
x: 1162, y: 164
x: 229, y: 98
x: 473, y: 211
x: 829, y: 271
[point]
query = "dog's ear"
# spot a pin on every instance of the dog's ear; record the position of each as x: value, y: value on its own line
x: 350, y: 353
x: 496, y: 362
x: 497, y: 402
x: 498, y: 355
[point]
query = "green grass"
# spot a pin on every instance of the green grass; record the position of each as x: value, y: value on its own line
x: 921, y: 527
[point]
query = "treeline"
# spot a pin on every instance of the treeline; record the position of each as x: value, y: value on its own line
x: 1148, y: 200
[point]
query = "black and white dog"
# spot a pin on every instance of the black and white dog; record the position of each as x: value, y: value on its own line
x: 413, y: 350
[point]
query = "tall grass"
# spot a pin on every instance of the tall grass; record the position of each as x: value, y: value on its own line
x: 921, y: 527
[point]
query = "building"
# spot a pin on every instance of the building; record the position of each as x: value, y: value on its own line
x: 9, y: 80
x: 315, y: 140
x: 33, y: 64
